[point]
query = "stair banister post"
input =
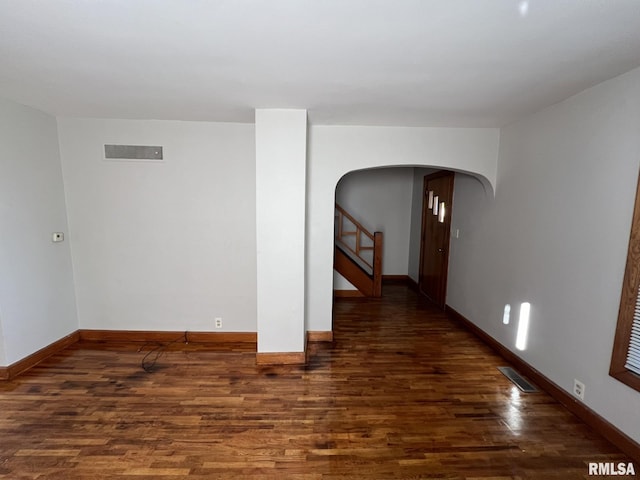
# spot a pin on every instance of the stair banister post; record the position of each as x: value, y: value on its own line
x: 377, y: 264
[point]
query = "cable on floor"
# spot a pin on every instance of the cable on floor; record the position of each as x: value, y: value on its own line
x: 151, y: 358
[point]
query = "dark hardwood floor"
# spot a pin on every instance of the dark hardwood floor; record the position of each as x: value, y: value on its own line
x: 403, y: 392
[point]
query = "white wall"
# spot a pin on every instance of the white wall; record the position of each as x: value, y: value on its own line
x: 337, y: 150
x: 416, y: 221
x: 37, y: 303
x: 556, y: 236
x: 162, y: 246
x: 281, y: 157
x: 380, y: 199
x: 3, y: 356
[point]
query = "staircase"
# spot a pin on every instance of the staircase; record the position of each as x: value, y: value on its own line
x: 358, y: 254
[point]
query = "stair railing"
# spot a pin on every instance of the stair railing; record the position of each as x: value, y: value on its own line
x: 364, y: 241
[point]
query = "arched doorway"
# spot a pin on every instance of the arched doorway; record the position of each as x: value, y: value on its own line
x: 335, y: 151
x: 385, y: 200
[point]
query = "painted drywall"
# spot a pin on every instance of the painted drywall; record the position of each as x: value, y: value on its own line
x: 281, y: 146
x: 337, y: 150
x: 167, y: 245
x: 416, y: 221
x: 341, y: 283
x: 556, y: 235
x: 3, y: 357
x: 37, y: 303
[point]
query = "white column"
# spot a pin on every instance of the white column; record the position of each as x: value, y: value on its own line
x: 281, y: 154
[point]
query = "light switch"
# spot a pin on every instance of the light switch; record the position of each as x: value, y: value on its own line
x: 57, y: 237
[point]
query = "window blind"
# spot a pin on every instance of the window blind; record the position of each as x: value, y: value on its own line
x: 633, y: 354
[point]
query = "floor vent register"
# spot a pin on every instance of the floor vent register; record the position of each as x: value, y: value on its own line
x: 517, y: 379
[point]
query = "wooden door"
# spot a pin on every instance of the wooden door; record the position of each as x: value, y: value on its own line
x: 437, y: 201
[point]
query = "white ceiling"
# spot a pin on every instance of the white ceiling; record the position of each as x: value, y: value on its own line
x: 370, y: 62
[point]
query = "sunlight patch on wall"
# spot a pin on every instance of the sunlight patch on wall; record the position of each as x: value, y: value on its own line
x: 506, y: 316
x: 523, y: 326
x: 441, y: 214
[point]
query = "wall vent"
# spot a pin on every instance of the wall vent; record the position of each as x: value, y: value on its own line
x: 132, y: 152
x: 518, y: 379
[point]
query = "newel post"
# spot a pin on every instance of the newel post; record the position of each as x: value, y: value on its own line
x: 377, y: 264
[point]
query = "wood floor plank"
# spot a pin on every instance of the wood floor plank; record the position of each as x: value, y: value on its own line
x: 401, y: 393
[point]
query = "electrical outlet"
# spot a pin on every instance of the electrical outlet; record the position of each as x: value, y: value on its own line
x: 578, y: 389
x: 218, y: 322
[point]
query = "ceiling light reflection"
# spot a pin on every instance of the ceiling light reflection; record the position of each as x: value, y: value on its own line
x: 523, y: 8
